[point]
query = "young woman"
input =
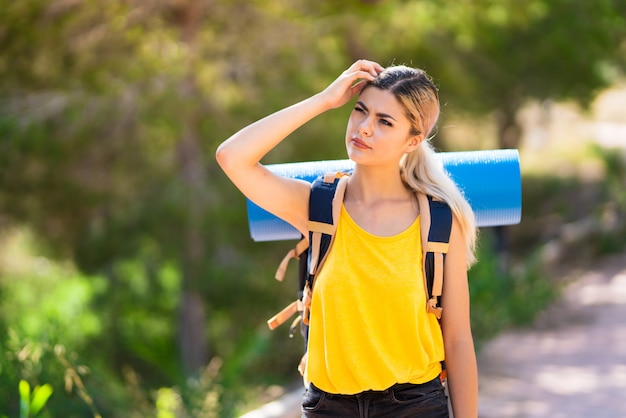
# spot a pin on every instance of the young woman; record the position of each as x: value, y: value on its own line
x: 374, y: 350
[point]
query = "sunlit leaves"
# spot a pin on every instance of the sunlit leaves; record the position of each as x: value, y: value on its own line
x: 32, y: 403
x: 49, y: 302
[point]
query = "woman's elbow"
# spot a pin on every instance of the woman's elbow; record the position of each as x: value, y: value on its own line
x: 223, y: 156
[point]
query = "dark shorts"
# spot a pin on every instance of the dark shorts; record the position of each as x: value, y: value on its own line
x: 427, y: 400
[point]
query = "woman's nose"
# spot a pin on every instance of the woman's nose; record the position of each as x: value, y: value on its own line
x: 365, y: 127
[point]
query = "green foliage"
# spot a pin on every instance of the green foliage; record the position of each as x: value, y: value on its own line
x: 81, y: 391
x: 552, y: 200
x: 25, y: 361
x: 490, y: 57
x: 612, y: 213
x: 31, y: 404
x: 112, y: 206
x: 61, y: 312
x: 502, y: 300
x: 614, y: 162
x: 127, y: 319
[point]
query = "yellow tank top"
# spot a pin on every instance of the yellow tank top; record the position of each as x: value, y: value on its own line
x: 369, y: 327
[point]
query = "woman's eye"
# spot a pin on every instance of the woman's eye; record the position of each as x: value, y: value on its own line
x: 386, y: 122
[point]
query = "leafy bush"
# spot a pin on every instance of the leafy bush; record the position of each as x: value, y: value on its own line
x: 505, y: 299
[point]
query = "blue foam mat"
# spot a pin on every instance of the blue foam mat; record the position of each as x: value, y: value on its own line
x: 490, y: 180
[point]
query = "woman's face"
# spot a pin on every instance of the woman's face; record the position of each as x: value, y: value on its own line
x: 378, y: 130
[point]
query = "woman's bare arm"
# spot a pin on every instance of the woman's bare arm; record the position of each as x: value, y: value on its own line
x: 240, y: 155
x: 457, y: 334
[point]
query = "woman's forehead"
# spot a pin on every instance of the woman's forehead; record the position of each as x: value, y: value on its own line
x: 382, y: 101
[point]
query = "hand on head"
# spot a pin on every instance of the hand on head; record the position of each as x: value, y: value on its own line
x: 351, y: 82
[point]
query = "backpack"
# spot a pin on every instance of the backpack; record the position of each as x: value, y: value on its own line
x: 327, y: 194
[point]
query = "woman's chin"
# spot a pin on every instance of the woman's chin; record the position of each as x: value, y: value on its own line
x: 358, y: 156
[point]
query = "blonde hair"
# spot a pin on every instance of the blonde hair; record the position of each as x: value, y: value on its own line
x: 421, y: 170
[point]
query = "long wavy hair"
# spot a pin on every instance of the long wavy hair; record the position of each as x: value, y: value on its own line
x: 420, y: 169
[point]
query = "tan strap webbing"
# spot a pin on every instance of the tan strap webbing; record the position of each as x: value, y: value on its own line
x: 338, y: 198
x: 424, y: 208
x: 332, y: 175
x: 295, y: 252
x: 306, y: 304
x: 301, y: 246
x: 302, y: 364
x: 294, y: 324
x: 340, y: 191
x: 438, y: 279
x: 318, y: 228
x: 285, y: 314
x: 322, y: 227
x: 437, y: 247
x: 431, y: 307
x: 316, y: 238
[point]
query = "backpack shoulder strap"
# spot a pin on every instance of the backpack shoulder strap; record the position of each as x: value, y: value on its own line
x: 321, y: 215
x: 435, y: 224
x: 327, y: 194
x: 324, y: 205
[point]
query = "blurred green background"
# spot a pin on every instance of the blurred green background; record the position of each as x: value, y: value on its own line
x: 128, y: 280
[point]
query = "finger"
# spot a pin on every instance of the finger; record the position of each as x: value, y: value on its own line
x: 362, y: 74
x: 371, y: 67
x: 358, y: 87
x: 374, y: 68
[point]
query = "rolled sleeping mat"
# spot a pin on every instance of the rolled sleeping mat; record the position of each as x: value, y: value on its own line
x: 490, y: 181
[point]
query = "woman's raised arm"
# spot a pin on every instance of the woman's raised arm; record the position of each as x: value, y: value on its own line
x: 240, y: 155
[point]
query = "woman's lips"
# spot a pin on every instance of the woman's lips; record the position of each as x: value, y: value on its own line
x: 360, y: 144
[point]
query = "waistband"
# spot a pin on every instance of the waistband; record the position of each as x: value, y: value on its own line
x: 427, y: 386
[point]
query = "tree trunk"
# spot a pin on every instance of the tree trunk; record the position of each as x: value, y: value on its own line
x: 509, y: 137
x: 191, y: 338
x: 192, y: 341
x: 509, y: 131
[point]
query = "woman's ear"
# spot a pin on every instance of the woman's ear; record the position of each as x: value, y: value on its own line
x: 414, y: 142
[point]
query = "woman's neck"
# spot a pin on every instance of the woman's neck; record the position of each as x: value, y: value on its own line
x: 379, y: 202
x: 370, y: 184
